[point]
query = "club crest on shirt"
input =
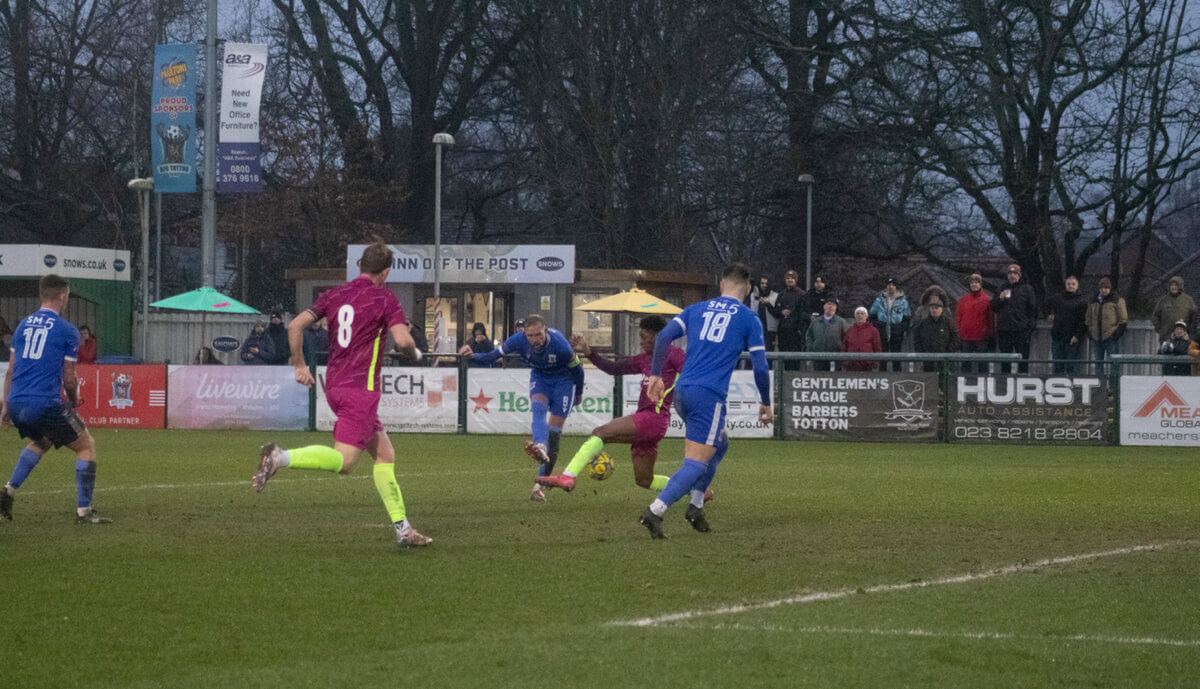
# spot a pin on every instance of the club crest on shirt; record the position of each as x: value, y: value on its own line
x: 552, y: 358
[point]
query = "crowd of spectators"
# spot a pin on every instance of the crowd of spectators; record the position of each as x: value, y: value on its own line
x: 1001, y: 321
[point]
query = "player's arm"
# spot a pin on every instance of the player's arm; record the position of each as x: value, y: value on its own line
x: 8, y: 374
x: 296, y: 344
x: 512, y: 344
x: 762, y: 371
x: 662, y: 346
x: 404, y: 341
x: 71, y: 382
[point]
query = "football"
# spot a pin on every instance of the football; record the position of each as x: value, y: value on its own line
x: 601, y: 467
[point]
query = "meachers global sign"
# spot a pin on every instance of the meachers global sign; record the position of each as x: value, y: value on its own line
x: 1160, y: 410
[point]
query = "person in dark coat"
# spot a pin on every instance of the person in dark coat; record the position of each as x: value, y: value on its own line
x: 277, y: 331
x: 258, y: 349
x: 1177, y: 345
x: 935, y: 333
x: 1016, y: 318
x: 792, y: 319
x: 1068, y: 318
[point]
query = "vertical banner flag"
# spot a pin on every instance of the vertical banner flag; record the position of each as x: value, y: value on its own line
x: 173, y: 118
x: 238, y: 162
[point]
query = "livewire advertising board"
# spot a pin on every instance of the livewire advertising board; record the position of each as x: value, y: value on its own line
x: 1028, y: 410
x: 412, y: 400
x: 876, y: 406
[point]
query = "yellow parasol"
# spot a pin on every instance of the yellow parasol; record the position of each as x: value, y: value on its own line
x: 631, y: 301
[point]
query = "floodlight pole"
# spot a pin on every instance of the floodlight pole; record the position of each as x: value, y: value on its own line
x: 440, y: 139
x: 144, y: 186
x: 208, y: 228
x: 807, y: 180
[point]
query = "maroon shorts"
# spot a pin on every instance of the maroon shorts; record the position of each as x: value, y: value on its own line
x: 357, y: 413
x: 651, y: 428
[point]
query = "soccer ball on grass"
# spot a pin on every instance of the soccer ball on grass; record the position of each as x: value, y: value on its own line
x: 601, y: 467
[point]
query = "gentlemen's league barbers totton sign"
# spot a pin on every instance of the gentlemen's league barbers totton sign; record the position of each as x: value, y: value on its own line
x: 477, y: 263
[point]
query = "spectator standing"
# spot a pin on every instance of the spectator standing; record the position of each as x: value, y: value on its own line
x: 1016, y: 317
x: 762, y: 300
x: 976, y: 324
x: 1174, y: 306
x: 6, y: 346
x: 791, y: 317
x: 922, y: 310
x: 825, y: 333
x: 481, y: 344
x: 935, y: 333
x: 1107, y: 319
x: 1178, y: 345
x: 891, y: 315
x: 1068, y: 318
x: 87, y: 345
x: 812, y: 305
x: 258, y: 349
x: 316, y: 344
x: 277, y: 331
x: 861, y: 337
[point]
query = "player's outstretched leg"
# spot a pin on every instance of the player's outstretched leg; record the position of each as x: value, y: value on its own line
x: 566, y: 480
x: 700, y: 492
x: 384, y: 474
x: 272, y: 458
x: 26, y: 461
x: 85, y: 481
x: 681, y: 482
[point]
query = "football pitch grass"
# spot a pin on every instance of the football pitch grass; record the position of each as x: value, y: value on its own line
x: 829, y: 565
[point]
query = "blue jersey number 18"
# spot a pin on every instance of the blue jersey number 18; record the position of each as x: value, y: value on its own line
x: 715, y: 325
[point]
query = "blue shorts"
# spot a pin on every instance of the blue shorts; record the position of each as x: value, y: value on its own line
x: 559, y: 392
x: 56, y: 423
x: 703, y: 413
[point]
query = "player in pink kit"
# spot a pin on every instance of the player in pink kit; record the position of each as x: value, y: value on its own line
x: 642, y: 429
x: 361, y: 314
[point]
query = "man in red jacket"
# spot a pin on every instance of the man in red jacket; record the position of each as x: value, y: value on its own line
x: 975, y: 322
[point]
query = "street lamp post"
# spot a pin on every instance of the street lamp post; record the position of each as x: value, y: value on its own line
x: 440, y: 139
x: 144, y: 186
x: 807, y: 180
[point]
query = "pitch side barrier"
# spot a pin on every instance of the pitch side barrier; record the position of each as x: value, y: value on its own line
x: 957, y: 398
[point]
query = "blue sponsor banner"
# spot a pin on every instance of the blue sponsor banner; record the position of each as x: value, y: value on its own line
x: 173, y: 118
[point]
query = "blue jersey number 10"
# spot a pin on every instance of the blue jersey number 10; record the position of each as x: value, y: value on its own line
x: 715, y: 325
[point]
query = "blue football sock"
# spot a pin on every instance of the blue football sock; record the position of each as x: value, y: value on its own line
x: 707, y: 477
x: 85, y: 481
x: 27, y: 460
x: 682, y: 481
x: 540, y: 427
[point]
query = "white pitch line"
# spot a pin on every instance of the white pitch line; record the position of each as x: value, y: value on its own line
x: 226, y: 484
x: 891, y: 588
x: 923, y: 633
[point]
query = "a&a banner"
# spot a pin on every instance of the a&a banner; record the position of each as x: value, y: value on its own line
x: 173, y: 118
x: 238, y: 161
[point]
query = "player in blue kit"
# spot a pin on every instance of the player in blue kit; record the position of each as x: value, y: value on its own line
x: 718, y: 331
x: 555, y: 386
x: 45, y: 348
